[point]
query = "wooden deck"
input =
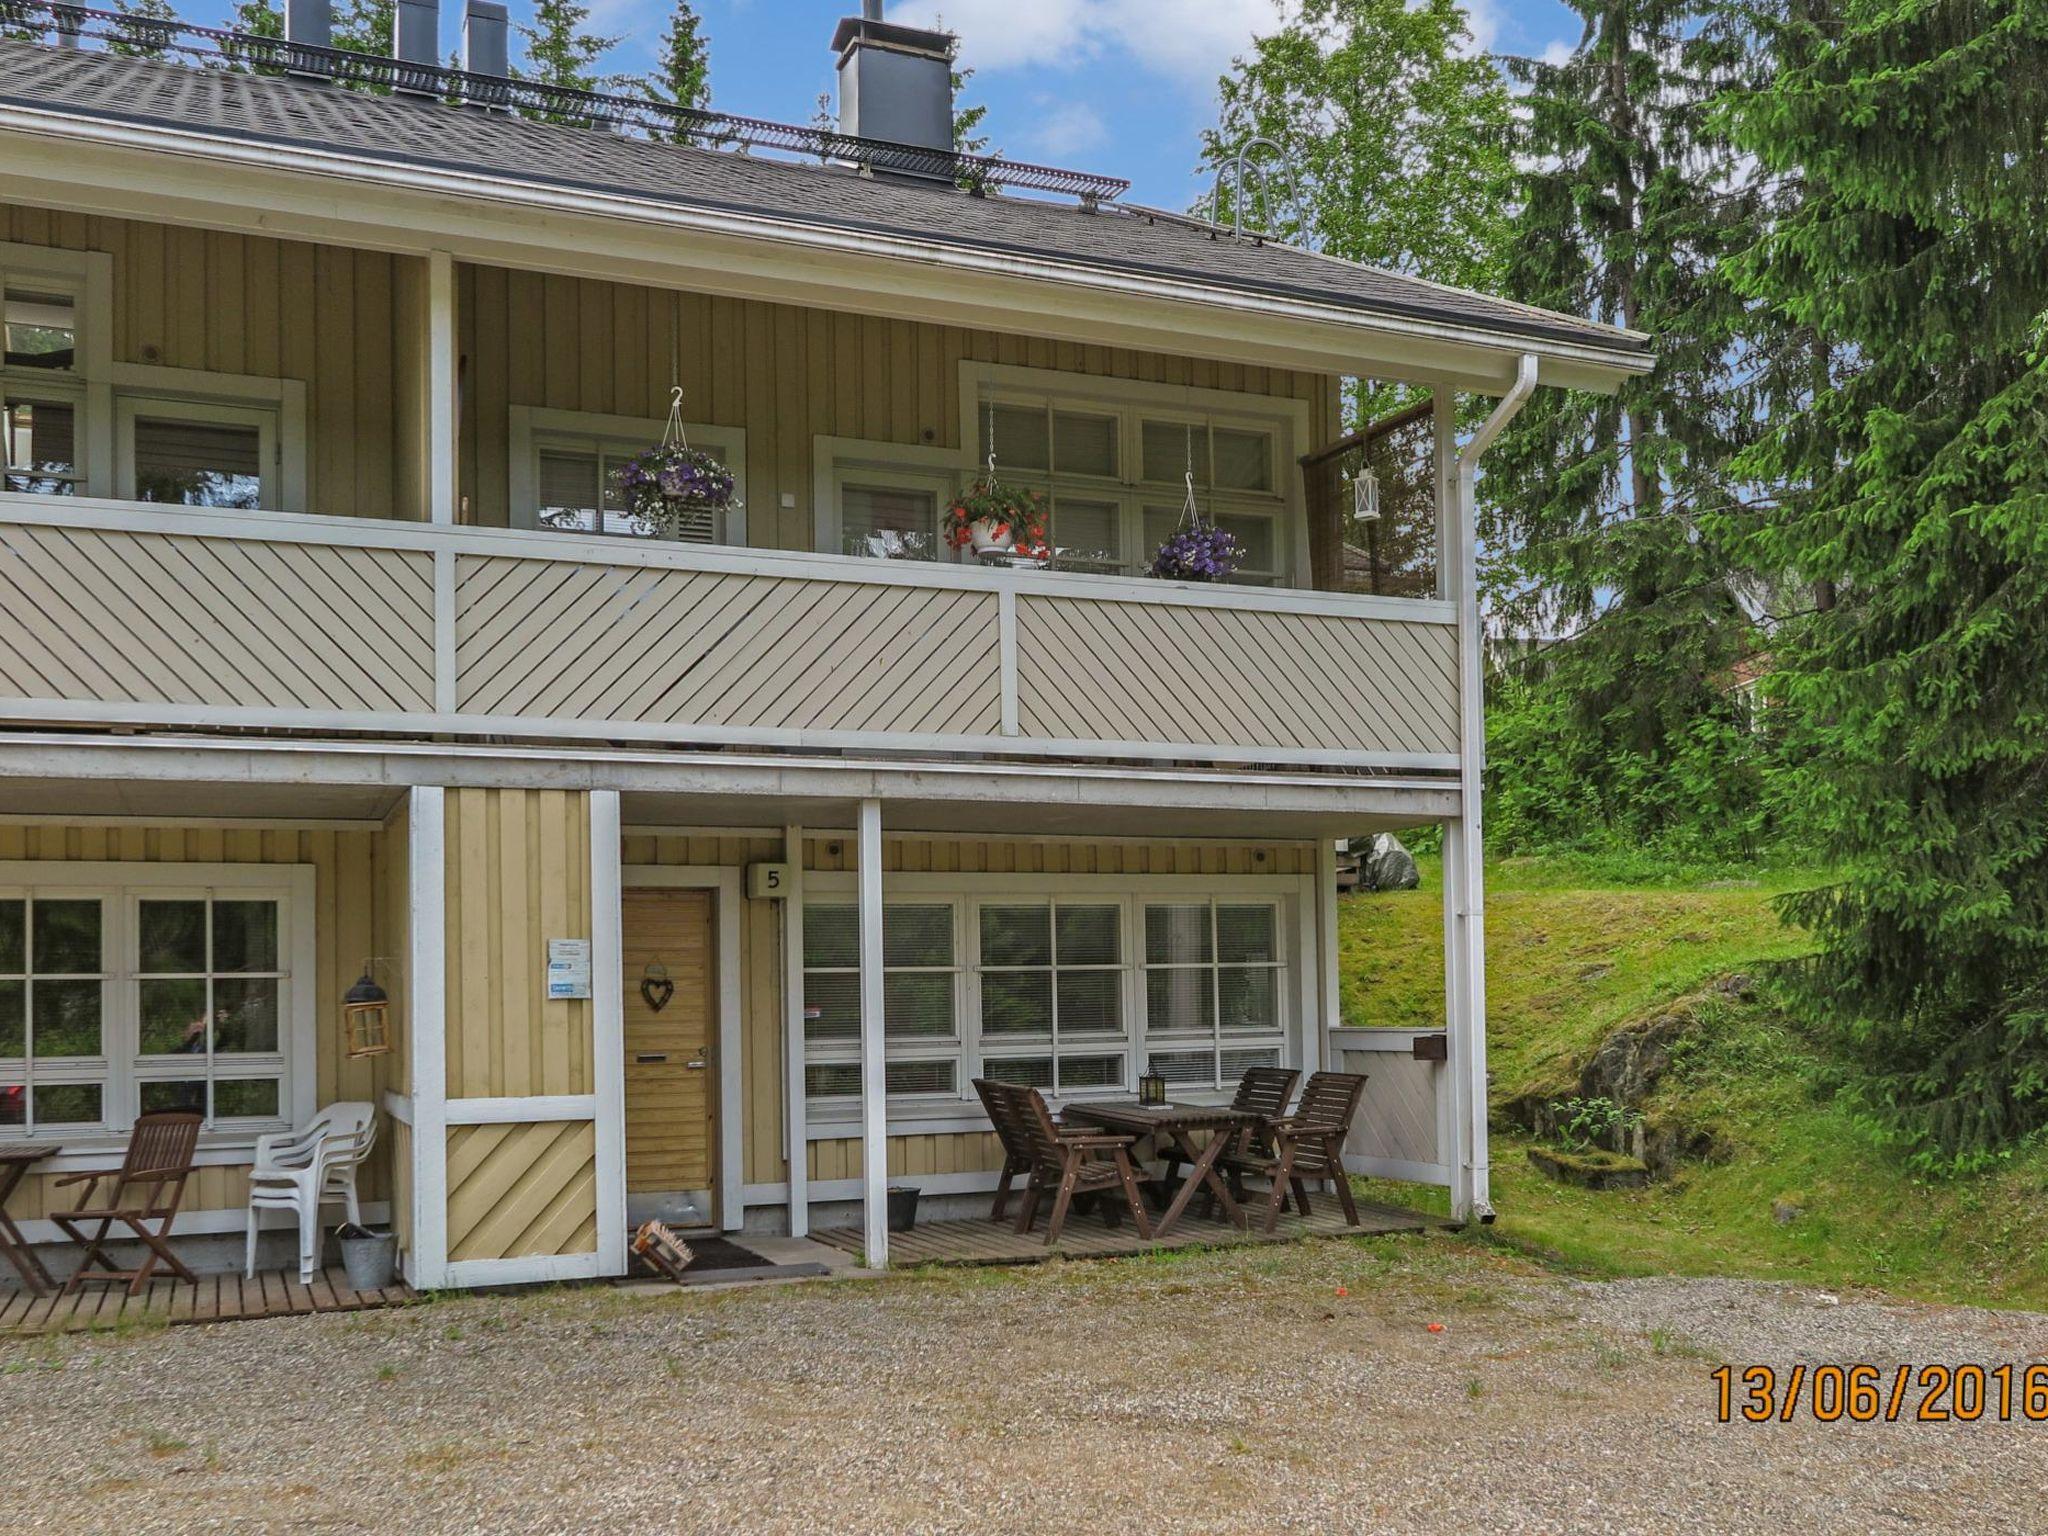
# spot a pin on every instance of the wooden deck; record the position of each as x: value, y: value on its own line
x: 1086, y: 1237
x: 215, y: 1299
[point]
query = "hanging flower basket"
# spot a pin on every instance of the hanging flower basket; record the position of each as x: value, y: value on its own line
x: 676, y: 489
x: 998, y: 517
x: 1198, y: 553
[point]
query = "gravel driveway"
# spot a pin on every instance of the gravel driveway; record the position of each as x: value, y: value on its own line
x: 1204, y: 1392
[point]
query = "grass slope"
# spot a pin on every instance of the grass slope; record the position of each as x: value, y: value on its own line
x: 1572, y: 952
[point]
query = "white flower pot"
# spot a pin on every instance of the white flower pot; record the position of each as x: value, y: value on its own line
x: 990, y: 533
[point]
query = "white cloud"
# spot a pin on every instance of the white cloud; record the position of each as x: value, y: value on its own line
x: 1190, y: 39
x: 1558, y: 51
x: 1064, y: 127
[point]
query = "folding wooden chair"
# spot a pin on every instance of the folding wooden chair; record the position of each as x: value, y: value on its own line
x: 1071, y: 1163
x: 1307, y: 1146
x: 157, y: 1164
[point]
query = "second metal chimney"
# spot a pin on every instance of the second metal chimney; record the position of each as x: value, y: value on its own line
x: 486, y: 39
x: 310, y: 22
x: 416, y: 39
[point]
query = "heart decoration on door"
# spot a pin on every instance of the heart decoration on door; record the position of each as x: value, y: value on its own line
x: 655, y: 988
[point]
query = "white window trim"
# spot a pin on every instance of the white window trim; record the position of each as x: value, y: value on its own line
x: 1294, y: 895
x: 292, y: 885
x: 1289, y: 419
x: 530, y: 426
x: 835, y: 460
x: 89, y: 277
x: 265, y: 419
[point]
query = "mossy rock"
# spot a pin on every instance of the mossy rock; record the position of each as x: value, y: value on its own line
x: 1593, y: 1169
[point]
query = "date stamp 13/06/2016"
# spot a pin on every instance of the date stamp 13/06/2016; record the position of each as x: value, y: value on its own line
x: 1867, y: 1394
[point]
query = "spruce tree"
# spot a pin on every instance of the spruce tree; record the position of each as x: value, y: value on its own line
x: 1622, y: 723
x: 1921, y: 691
x: 682, y: 76
x: 560, y: 52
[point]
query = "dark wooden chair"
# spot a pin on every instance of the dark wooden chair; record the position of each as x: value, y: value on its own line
x: 1000, y: 1101
x: 1262, y: 1091
x: 146, y: 1189
x: 1306, y: 1147
x: 1074, y: 1163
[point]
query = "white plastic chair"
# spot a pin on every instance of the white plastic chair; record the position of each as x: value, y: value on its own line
x: 299, y: 1170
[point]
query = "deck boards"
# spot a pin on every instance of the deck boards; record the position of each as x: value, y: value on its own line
x: 981, y: 1241
x: 215, y: 1299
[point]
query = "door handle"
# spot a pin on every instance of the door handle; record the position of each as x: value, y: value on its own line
x: 694, y: 1066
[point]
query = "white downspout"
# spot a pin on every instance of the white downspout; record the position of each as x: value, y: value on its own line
x: 1464, y: 871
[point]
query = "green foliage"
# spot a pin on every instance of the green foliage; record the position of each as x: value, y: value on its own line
x: 134, y: 37
x: 364, y: 25
x: 1583, y: 1124
x: 258, y: 18
x: 560, y: 52
x: 967, y: 121
x: 1395, y: 135
x: 1916, y: 128
x: 682, y: 76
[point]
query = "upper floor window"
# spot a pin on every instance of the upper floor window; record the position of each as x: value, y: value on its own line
x: 564, y: 474
x: 42, y: 327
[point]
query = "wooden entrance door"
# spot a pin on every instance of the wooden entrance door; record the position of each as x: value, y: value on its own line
x: 671, y: 1040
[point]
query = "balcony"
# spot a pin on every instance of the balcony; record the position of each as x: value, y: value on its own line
x: 126, y: 616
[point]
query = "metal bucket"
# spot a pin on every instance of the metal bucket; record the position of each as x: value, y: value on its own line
x: 371, y: 1258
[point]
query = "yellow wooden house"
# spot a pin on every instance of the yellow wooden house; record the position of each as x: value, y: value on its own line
x: 705, y: 871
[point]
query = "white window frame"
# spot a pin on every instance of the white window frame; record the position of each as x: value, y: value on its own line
x: 837, y: 462
x: 1216, y: 1041
x: 1294, y: 897
x: 1057, y: 1042
x: 264, y: 418
x: 533, y: 428
x: 1134, y: 402
x: 87, y: 277
x: 906, y: 1049
x: 121, y: 888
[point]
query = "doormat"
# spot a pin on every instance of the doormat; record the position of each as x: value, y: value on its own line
x: 720, y: 1261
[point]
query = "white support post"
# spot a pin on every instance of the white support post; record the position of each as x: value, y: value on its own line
x: 608, y: 1027
x: 1329, y: 1013
x: 796, y: 1127
x: 1464, y: 848
x: 874, y: 1087
x: 426, y: 1030
x: 442, y: 403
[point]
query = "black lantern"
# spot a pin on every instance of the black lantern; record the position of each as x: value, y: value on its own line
x: 1151, y: 1087
x: 366, y: 1017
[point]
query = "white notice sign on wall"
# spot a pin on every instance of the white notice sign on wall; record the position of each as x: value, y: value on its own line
x: 568, y: 968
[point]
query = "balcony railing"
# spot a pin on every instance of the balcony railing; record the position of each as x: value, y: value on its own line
x: 119, y: 614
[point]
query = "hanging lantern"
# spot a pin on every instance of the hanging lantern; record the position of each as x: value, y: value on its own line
x: 1365, y: 495
x: 1151, y: 1086
x: 366, y: 1017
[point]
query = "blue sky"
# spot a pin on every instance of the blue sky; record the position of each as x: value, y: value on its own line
x: 1117, y: 86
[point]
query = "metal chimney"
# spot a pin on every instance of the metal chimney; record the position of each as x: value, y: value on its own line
x: 486, y: 39
x: 895, y: 82
x: 310, y: 22
x: 416, y: 39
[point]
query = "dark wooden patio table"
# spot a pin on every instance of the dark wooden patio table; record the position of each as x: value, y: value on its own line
x: 16, y: 1158
x: 1178, y: 1124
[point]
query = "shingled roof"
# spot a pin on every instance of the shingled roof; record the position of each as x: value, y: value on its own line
x: 419, y: 132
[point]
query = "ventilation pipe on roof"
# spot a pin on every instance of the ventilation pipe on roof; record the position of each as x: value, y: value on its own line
x: 310, y: 22
x: 486, y: 39
x: 895, y: 83
x: 416, y: 39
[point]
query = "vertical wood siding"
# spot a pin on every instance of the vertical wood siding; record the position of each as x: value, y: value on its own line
x: 277, y: 309
x: 352, y: 891
x: 518, y: 864
x: 522, y: 1191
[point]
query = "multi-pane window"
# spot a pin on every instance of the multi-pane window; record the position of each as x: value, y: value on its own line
x: 42, y: 445
x: 920, y: 1016
x: 114, y: 1003
x: 43, y: 398
x: 1213, y: 990
x: 1051, y: 988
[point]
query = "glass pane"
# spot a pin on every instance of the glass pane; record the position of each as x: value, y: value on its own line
x: 13, y: 1019
x: 568, y: 491
x: 1237, y: 1063
x: 42, y: 330
x: 920, y: 1076
x: 1091, y: 1003
x: 918, y: 1006
x: 1250, y: 998
x: 245, y: 1015
x: 1185, y: 1068
x: 13, y: 937
x: 65, y: 1019
x: 184, y: 1093
x: 1091, y: 1072
x: 1178, y: 933
x: 832, y: 1007
x: 1183, y: 1000
x: 1020, y: 437
x: 1246, y: 935
x: 245, y: 936
x: 1167, y: 446
x: 887, y: 524
x: 832, y: 1080
x: 1090, y: 935
x: 1160, y: 523
x: 67, y: 938
x: 42, y: 453
x: 246, y: 1099
x: 173, y: 1016
x: 831, y: 936
x: 1016, y: 1003
x: 13, y: 1104
x: 198, y: 463
x: 1016, y: 935
x: 919, y: 935
x: 172, y: 937
x: 1244, y: 460
x: 1084, y: 445
x: 67, y: 1104
x: 1255, y: 540
x: 1086, y: 533
x: 1024, y: 1071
